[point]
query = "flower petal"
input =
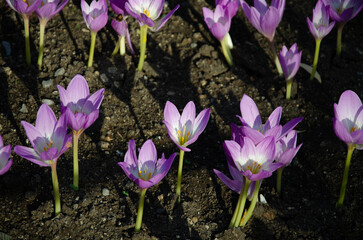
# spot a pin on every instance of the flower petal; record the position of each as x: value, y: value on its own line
x: 250, y: 114
x: 30, y: 154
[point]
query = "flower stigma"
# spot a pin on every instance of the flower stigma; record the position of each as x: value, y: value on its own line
x: 255, y: 168
x: 144, y: 176
x: 183, y: 138
x: 49, y: 145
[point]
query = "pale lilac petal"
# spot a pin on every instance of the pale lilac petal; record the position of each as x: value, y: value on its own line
x: 250, y: 114
x: 32, y: 133
x: 171, y: 132
x: 288, y: 155
x: 234, y: 150
x: 50, y: 155
x: 77, y: 89
x: 341, y: 131
x: 357, y: 136
x: 30, y: 154
x: 348, y: 105
x: 188, y: 113
x: 147, y: 153
x: 171, y: 114
x: 130, y: 156
x: 289, y: 126
x: 274, y: 119
x: 269, y: 23
x: 274, y: 132
x: 160, y: 23
x: 162, y: 168
x: 266, y: 149
x: 201, y: 121
x: 253, y: 134
x: 6, y: 167
x: 234, y: 185
x: 46, y: 120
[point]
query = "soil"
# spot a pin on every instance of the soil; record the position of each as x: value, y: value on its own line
x: 184, y: 63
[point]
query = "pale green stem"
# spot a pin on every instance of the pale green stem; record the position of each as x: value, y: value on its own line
x: 288, y: 88
x: 339, y: 38
x: 27, y: 43
x: 252, y: 205
x: 143, y: 39
x: 243, y: 203
x: 278, y: 180
x: 233, y: 220
x: 276, y: 58
x: 316, y: 58
x: 116, y: 47
x: 122, y: 46
x: 226, y: 51
x: 140, y: 211
x: 57, y: 205
x: 180, y: 170
x: 75, y: 139
x: 345, y: 176
x: 41, y: 41
x: 92, y: 49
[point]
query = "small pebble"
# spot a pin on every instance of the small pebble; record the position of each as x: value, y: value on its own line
x: 263, y: 199
x: 112, y: 70
x: 170, y: 93
x: 59, y: 72
x: 47, y: 83
x: 104, y: 78
x: 48, y: 102
x: 193, y: 45
x: 24, y: 109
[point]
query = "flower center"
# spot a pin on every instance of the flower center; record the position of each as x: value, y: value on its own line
x: 119, y: 18
x: 182, y: 137
x: 144, y: 175
x: 146, y: 12
x: 49, y: 145
x: 254, y: 168
x: 353, y: 129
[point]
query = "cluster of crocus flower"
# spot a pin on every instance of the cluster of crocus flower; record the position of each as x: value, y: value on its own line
x: 49, y: 138
x: 184, y: 130
x: 82, y: 110
x: 254, y: 153
x: 348, y: 126
x: 290, y: 63
x: 146, y: 170
x: 341, y: 11
x: 5, y: 162
x: 219, y: 23
x: 25, y: 9
x: 319, y: 28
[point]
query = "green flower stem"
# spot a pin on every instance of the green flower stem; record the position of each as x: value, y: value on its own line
x: 140, y: 211
x: 226, y: 51
x: 233, y: 220
x: 122, y: 46
x: 143, y: 40
x: 276, y: 58
x: 278, y: 180
x: 316, y: 58
x: 252, y: 205
x: 92, y: 49
x: 116, y: 47
x: 75, y: 139
x: 339, y: 39
x: 57, y: 205
x: 180, y: 170
x: 345, y: 176
x: 242, y: 203
x: 41, y: 42
x: 288, y: 88
x: 27, y: 43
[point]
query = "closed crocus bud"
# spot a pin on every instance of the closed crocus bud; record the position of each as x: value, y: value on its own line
x: 290, y: 61
x: 320, y: 26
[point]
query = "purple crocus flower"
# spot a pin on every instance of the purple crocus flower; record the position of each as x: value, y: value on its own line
x: 348, y: 120
x: 5, y: 162
x: 320, y: 26
x: 25, y: 8
x: 252, y: 124
x: 95, y: 15
x: 286, y: 148
x: 218, y: 22
x: 232, y: 6
x: 148, y: 11
x: 48, y: 138
x: 185, y: 129
x: 265, y: 19
x: 255, y: 162
x: 81, y: 108
x: 49, y: 8
x: 343, y: 10
x: 145, y: 170
x: 290, y: 61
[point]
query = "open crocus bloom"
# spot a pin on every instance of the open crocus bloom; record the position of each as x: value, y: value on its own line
x: 48, y: 138
x: 286, y: 148
x: 343, y: 10
x: 146, y: 170
x: 25, y: 8
x: 185, y: 129
x: 255, y: 162
x: 265, y: 19
x: 252, y: 124
x: 232, y: 6
x: 81, y: 108
x: 49, y: 8
x: 5, y: 162
x: 348, y: 120
x: 320, y: 26
x: 148, y: 11
x: 95, y: 15
x: 290, y: 61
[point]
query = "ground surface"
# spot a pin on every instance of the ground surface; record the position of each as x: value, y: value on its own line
x: 184, y: 62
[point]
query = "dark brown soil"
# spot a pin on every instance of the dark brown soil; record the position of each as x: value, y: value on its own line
x: 184, y: 62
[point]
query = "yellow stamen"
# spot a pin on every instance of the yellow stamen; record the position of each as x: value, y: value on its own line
x: 49, y: 145
x: 146, y: 12
x: 75, y: 112
x: 119, y: 18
